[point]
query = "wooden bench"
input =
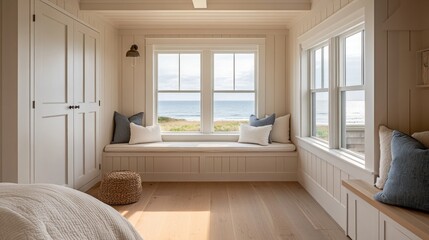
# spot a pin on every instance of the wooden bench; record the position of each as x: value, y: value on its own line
x: 204, y: 161
x: 370, y: 219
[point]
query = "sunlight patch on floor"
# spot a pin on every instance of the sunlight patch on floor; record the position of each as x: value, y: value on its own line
x: 174, y: 225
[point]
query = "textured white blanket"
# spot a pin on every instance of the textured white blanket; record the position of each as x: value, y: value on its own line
x: 45, y: 211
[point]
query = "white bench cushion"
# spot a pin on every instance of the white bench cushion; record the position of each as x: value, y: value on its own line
x: 200, y: 147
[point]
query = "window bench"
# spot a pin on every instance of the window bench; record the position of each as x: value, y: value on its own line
x: 204, y: 161
x: 370, y: 219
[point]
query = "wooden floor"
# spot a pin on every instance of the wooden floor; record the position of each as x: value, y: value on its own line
x: 228, y: 211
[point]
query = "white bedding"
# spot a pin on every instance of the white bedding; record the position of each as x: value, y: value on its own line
x: 45, y: 211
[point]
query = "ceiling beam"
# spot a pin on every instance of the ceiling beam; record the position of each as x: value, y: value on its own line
x: 200, y: 3
x: 165, y: 5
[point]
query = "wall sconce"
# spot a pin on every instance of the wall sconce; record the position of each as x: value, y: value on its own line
x: 133, y: 52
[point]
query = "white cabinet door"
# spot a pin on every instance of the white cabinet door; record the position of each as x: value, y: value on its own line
x: 86, y: 112
x: 53, y: 94
x: 391, y: 230
x: 362, y: 219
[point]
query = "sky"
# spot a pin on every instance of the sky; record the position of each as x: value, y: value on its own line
x: 184, y: 70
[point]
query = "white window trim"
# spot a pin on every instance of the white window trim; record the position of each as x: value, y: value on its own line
x: 245, y: 44
x: 336, y: 87
x: 344, y: 20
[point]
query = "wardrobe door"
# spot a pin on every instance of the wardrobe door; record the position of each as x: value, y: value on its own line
x: 53, y: 94
x: 86, y: 112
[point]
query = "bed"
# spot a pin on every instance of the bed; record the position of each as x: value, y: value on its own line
x: 46, y: 211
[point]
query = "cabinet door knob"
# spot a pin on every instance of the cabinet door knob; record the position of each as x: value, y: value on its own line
x: 71, y: 107
x: 77, y: 107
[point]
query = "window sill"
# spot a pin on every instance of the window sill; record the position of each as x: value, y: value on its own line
x: 341, y: 159
x: 196, y: 137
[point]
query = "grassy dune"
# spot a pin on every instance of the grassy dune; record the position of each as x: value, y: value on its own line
x: 322, y: 132
x: 181, y: 125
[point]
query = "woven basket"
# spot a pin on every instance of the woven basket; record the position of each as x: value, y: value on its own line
x: 120, y: 187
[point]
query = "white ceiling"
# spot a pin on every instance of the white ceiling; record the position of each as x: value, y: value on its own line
x: 200, y: 19
x: 155, y: 14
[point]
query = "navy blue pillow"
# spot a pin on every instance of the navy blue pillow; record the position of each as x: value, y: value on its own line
x: 255, y: 122
x: 407, y: 183
x: 122, y: 133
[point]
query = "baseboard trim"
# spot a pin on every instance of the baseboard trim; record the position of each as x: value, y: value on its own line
x: 218, y: 177
x: 90, y: 184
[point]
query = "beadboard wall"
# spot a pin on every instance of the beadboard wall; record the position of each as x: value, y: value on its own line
x: 133, y: 80
x: 403, y: 31
x: 200, y: 166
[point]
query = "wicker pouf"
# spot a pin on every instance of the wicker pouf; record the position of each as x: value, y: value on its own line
x: 120, y: 187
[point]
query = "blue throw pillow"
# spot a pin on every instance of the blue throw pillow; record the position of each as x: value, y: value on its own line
x: 255, y: 122
x: 407, y: 183
x: 122, y: 133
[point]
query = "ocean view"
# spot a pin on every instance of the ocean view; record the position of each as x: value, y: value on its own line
x: 241, y: 110
x: 190, y: 110
x: 355, y: 113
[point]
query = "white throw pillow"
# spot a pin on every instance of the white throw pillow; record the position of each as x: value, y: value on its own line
x: 256, y: 135
x: 280, y: 132
x: 385, y: 135
x: 422, y: 137
x: 140, y: 134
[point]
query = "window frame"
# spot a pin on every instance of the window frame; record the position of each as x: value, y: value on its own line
x: 207, y: 45
x: 314, y: 90
x: 157, y: 91
x: 336, y: 44
x: 342, y: 88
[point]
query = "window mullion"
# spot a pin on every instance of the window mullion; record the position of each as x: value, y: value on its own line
x: 352, y: 88
x: 363, y: 57
x: 179, y: 71
x: 206, y: 92
x: 334, y: 79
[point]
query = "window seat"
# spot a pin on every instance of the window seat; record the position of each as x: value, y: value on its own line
x: 200, y: 147
x: 204, y: 161
x: 370, y: 219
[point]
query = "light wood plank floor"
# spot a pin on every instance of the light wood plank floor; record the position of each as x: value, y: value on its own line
x: 225, y: 211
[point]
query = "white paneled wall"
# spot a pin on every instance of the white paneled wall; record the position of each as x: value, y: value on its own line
x: 133, y: 79
x: 183, y: 166
x: 323, y: 179
x: 407, y: 108
x: 320, y: 174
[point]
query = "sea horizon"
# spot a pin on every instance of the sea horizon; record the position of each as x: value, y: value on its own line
x: 239, y: 110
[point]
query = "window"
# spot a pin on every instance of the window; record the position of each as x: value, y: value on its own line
x: 337, y: 103
x: 179, y: 96
x: 205, y: 90
x: 319, y: 93
x: 234, y: 90
x: 352, y: 94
